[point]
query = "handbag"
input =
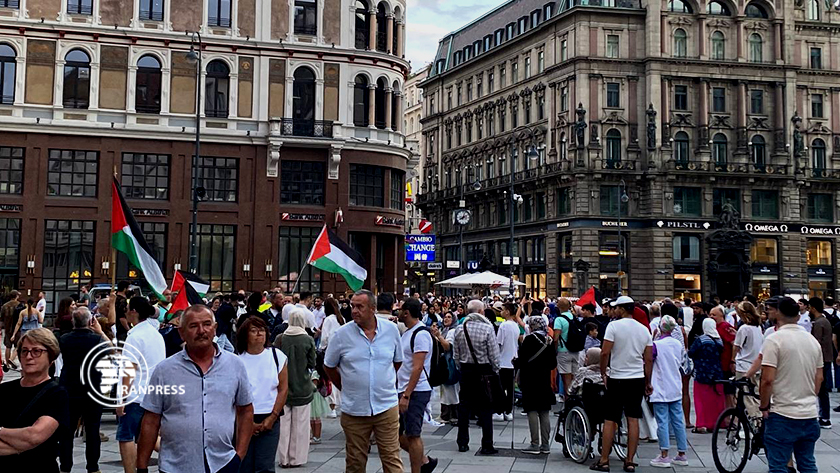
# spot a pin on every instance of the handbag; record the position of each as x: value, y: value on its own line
x: 491, y: 384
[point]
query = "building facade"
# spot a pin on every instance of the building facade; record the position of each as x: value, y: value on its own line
x: 416, y: 275
x: 683, y: 148
x: 299, y: 103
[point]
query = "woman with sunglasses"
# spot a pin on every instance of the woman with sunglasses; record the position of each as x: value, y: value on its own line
x: 36, y: 408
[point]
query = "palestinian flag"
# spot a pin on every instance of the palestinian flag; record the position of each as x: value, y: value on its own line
x: 187, y: 296
x: 590, y: 297
x: 127, y: 237
x: 183, y: 278
x: 332, y: 255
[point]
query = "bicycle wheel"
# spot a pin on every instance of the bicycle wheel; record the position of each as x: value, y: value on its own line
x: 620, y: 439
x: 731, y: 441
x: 578, y: 434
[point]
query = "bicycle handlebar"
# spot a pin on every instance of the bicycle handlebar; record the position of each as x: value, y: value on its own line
x: 740, y: 383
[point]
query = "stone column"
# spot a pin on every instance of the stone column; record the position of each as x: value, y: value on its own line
x: 741, y: 120
x: 372, y: 106
x: 389, y: 34
x: 552, y: 117
x: 389, y: 93
x: 777, y: 40
x: 739, y: 26
x: 701, y: 40
x: 401, y: 39
x: 703, y: 119
x: 372, y: 22
x: 779, y: 118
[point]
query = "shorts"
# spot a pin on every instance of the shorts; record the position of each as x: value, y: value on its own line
x: 567, y: 363
x: 411, y: 421
x: 128, y: 426
x: 624, y: 396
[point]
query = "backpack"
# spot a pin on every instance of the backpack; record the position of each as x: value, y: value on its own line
x: 576, y: 336
x: 442, y: 368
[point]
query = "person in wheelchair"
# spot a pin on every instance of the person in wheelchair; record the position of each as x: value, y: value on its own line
x: 591, y: 371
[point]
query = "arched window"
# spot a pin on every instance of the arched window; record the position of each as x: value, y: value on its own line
x: 147, y: 90
x: 759, y: 151
x: 680, y: 43
x: 813, y: 9
x: 719, y: 152
x: 756, y: 11
x: 395, y: 106
x: 379, y: 104
x: 381, y: 27
x: 818, y: 154
x: 681, y: 147
x: 76, y: 79
x: 718, y: 8
x: 756, y: 48
x: 216, y: 90
x: 613, y: 146
x: 303, y: 102
x: 361, y: 102
x: 679, y: 6
x: 362, y: 25
x: 7, y: 74
x: 718, y: 46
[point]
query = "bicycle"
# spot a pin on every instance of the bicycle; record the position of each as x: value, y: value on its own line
x: 743, y: 436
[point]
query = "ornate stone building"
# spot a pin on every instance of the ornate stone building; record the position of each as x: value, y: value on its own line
x: 300, y: 107
x: 649, y: 119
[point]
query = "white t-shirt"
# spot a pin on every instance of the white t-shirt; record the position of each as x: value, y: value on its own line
x: 319, y: 316
x: 630, y: 338
x: 262, y: 376
x: 654, y: 324
x: 665, y: 376
x: 749, y: 339
x: 688, y: 317
x: 41, y: 306
x: 729, y: 319
x: 422, y: 344
x: 805, y: 321
x: 508, y: 339
x: 145, y: 339
x: 327, y: 330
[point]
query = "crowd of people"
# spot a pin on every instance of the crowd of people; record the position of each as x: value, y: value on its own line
x: 252, y: 375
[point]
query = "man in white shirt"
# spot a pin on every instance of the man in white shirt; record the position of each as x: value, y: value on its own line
x: 508, y: 339
x: 628, y: 351
x: 804, y: 315
x: 144, y: 346
x: 318, y: 311
x: 41, y: 306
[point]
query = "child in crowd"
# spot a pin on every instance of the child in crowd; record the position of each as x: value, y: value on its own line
x: 319, y: 407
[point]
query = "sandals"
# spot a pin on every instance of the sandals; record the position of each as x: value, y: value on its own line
x: 598, y: 466
x: 630, y: 467
x: 700, y: 430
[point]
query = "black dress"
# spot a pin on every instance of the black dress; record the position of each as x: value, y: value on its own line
x: 535, y: 376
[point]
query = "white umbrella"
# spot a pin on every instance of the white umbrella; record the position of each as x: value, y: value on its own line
x: 486, y: 279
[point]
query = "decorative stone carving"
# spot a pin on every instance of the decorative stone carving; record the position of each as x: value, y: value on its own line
x: 580, y: 125
x: 721, y: 121
x: 335, y: 161
x: 651, y: 127
x: 798, y: 143
x: 759, y: 123
x: 682, y: 119
x: 273, y: 160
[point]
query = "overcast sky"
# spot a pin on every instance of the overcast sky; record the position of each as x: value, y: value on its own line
x: 429, y: 20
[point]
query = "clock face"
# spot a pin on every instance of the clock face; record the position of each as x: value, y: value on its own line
x: 462, y: 217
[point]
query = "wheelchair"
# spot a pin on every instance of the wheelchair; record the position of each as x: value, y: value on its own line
x: 581, y: 424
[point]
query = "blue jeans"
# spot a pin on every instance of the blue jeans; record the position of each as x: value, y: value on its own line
x: 783, y: 435
x: 670, y: 413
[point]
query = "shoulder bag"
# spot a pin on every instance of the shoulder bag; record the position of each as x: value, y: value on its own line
x: 489, y: 381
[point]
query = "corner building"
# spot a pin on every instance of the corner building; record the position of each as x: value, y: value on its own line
x: 301, y: 116
x: 684, y: 106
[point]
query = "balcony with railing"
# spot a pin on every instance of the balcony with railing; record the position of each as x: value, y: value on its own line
x: 730, y: 168
x: 306, y: 128
x: 822, y: 173
x: 615, y: 165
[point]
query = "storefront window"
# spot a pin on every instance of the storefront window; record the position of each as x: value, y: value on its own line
x: 687, y: 285
x: 535, y: 285
x: 567, y: 284
x: 819, y: 253
x: 763, y: 250
x: 820, y: 287
x: 765, y: 286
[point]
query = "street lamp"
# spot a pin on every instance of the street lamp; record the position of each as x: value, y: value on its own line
x: 532, y: 154
x: 194, y: 57
x: 623, y: 198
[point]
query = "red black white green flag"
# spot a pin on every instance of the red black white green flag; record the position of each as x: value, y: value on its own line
x: 333, y: 255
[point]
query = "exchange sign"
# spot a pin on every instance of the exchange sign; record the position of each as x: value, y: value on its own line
x: 419, y: 248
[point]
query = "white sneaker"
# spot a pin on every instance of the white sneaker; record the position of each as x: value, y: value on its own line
x: 508, y: 417
x: 332, y: 414
x: 434, y: 423
x: 498, y: 417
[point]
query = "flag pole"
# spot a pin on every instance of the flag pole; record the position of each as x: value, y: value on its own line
x: 306, y: 262
x: 113, y: 250
x: 297, y: 281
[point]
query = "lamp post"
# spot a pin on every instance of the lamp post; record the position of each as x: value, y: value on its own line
x: 531, y: 154
x: 194, y: 57
x: 622, y: 199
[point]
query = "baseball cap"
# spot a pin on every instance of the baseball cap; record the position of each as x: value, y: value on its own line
x: 622, y: 300
x: 498, y: 305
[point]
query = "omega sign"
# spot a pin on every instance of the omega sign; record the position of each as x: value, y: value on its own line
x: 765, y: 228
x: 819, y: 230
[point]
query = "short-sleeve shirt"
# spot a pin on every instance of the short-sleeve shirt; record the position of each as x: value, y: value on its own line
x: 198, y: 410
x: 368, y: 378
x: 54, y: 403
x: 262, y: 375
x: 145, y: 339
x: 749, y: 340
x: 422, y: 344
x: 508, y: 338
x: 630, y: 338
x: 796, y: 355
x: 561, y: 323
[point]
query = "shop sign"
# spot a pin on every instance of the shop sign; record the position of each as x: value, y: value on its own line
x: 389, y: 221
x: 290, y: 217
x: 472, y: 265
x: 11, y: 208
x: 764, y: 270
x: 684, y: 225
x: 453, y: 264
x: 611, y: 223
x: 435, y: 266
x: 419, y: 248
x: 820, y: 272
x: 150, y: 212
x: 765, y: 228
x: 806, y: 230
x: 563, y: 225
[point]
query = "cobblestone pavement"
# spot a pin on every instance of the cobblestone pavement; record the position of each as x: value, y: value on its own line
x: 328, y: 457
